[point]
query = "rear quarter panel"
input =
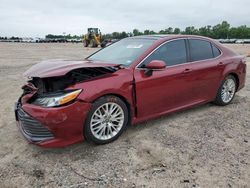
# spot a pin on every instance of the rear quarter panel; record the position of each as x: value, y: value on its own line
x: 234, y: 65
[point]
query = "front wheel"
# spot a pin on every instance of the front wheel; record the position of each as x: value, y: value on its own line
x: 106, y: 120
x: 226, y: 91
x: 85, y: 43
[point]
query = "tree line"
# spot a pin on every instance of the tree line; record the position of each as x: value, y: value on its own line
x: 219, y: 31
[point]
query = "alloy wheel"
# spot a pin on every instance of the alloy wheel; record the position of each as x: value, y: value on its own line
x: 228, y: 90
x: 107, y: 121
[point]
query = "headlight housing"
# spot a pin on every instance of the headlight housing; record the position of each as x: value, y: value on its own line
x: 57, y: 99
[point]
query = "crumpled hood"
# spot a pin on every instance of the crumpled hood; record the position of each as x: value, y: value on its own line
x: 53, y: 68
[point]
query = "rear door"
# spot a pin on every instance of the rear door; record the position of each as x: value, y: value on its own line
x: 206, y: 68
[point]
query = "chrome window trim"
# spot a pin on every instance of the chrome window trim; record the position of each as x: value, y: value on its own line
x: 188, y: 62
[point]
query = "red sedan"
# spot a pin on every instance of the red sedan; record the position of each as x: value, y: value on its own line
x: 130, y: 81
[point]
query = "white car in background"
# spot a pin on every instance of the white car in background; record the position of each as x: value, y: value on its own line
x: 239, y: 41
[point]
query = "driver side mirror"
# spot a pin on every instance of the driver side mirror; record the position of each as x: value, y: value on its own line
x: 154, y: 65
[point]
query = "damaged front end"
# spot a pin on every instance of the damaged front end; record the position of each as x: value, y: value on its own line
x: 59, y: 83
x: 48, y: 112
x: 52, y: 91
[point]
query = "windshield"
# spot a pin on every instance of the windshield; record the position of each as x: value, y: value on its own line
x: 123, y: 52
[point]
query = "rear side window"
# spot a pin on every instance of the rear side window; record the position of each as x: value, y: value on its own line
x: 200, y: 50
x: 173, y: 53
x: 216, y: 51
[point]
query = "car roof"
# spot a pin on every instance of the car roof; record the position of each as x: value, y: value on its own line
x: 155, y: 37
x: 166, y: 37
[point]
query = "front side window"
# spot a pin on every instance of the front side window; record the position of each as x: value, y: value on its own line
x: 200, y: 50
x: 172, y: 53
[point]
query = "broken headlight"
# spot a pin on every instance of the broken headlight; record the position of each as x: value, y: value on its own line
x: 56, y: 99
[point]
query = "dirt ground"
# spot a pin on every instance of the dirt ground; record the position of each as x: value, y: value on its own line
x: 207, y: 146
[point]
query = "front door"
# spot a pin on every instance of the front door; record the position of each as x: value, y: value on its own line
x: 167, y: 89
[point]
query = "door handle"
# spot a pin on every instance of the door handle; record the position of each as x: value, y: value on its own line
x: 220, y: 64
x: 186, y: 71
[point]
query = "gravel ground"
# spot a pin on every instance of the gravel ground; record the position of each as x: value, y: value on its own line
x: 207, y: 146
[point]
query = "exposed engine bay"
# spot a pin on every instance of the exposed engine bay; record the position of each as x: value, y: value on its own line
x: 59, y: 83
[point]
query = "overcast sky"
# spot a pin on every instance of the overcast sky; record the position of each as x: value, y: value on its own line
x: 40, y: 17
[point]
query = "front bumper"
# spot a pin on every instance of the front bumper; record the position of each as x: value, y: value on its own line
x: 52, y: 127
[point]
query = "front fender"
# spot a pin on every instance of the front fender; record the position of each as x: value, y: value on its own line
x: 119, y: 83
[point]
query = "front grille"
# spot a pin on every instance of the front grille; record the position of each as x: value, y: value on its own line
x: 32, y: 129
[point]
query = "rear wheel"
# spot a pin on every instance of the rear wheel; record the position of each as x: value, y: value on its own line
x: 106, y: 120
x: 92, y: 43
x: 226, y: 91
x: 103, y: 44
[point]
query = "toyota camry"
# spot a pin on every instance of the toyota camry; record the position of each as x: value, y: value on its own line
x: 130, y: 81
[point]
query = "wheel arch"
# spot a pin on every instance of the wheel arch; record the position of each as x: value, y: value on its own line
x: 236, y: 76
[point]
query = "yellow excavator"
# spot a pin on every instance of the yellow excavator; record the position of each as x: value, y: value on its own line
x: 93, y: 38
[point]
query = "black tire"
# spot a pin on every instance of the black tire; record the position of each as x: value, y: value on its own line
x: 103, y: 44
x: 92, y: 43
x: 219, y: 100
x: 85, y: 43
x: 98, y: 103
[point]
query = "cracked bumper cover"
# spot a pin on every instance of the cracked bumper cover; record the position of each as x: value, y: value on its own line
x: 52, y: 127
